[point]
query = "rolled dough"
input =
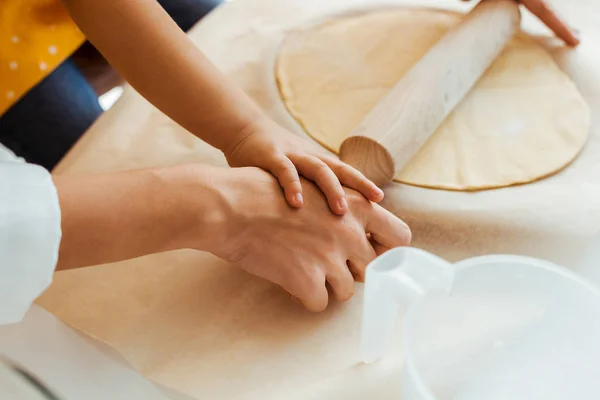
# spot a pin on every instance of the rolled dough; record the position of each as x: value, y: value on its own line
x: 524, y: 120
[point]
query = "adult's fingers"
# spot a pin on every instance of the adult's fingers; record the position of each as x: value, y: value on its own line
x: 287, y: 175
x: 385, y: 228
x: 379, y: 248
x: 358, y: 268
x: 546, y: 14
x: 341, y: 282
x: 353, y: 179
x: 317, y: 171
x: 362, y: 256
x: 309, y: 289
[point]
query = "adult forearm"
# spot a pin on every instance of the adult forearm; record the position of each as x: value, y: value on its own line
x: 146, y: 46
x: 117, y: 216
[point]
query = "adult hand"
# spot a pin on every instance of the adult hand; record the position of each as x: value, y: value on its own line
x: 267, y: 145
x: 237, y: 214
x: 546, y: 14
x: 306, y: 251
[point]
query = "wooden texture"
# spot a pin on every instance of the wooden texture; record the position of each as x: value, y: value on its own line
x: 394, y: 131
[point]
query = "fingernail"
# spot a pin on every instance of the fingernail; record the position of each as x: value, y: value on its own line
x: 576, y: 37
x: 343, y: 204
x: 299, y: 200
x: 408, y: 234
x: 377, y: 192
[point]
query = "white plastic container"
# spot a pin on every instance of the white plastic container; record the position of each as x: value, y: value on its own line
x: 488, y: 328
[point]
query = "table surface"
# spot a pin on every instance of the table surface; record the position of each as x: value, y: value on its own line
x: 71, y: 365
x: 239, y: 38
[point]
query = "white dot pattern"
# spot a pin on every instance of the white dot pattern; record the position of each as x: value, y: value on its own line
x: 27, y: 58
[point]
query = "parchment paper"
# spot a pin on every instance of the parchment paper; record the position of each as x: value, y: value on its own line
x: 194, y: 323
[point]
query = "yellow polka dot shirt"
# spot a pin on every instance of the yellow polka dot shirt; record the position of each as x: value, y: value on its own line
x: 36, y: 36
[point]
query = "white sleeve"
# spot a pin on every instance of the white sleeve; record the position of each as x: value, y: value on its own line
x: 29, y: 234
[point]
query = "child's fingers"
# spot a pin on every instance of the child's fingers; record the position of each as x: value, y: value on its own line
x: 544, y: 12
x: 287, y: 175
x: 320, y: 173
x: 354, y: 179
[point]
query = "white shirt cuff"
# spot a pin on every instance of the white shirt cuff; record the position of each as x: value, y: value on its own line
x: 30, y: 236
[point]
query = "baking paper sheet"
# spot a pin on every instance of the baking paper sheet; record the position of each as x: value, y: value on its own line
x: 201, y: 326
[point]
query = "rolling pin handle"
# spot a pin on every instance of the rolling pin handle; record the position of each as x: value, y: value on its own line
x: 369, y: 157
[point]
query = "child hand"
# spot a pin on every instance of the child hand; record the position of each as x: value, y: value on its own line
x: 542, y: 10
x: 267, y: 145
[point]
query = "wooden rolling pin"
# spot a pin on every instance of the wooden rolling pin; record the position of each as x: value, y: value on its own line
x: 400, y: 124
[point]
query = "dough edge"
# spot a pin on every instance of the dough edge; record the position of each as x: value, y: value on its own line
x: 334, y: 18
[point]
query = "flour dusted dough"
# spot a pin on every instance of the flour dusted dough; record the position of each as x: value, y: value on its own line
x: 524, y: 120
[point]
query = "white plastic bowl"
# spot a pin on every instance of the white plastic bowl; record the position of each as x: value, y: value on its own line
x: 487, y: 328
